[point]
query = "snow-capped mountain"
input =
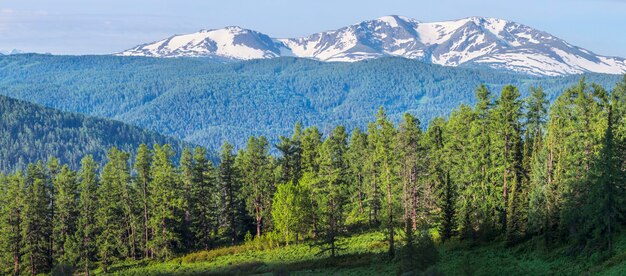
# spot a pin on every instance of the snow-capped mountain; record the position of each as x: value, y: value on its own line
x: 473, y: 41
x: 228, y: 43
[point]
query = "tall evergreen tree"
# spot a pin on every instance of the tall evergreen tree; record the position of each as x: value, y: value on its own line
x: 507, y: 160
x: 204, y: 209
x: 384, y: 141
x: 311, y: 143
x: 87, y: 210
x: 254, y: 163
x: 36, y: 221
x: 65, y: 216
x: 187, y: 181
x: 290, y: 160
x: 229, y: 184
x: 331, y: 188
x: 111, y: 223
x: 411, y: 155
x: 357, y: 158
x: 143, y: 163
x: 439, y: 176
x: 462, y: 171
x: 167, y: 209
x: 11, y: 208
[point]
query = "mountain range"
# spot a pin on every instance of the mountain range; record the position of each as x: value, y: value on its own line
x: 206, y: 102
x: 469, y: 42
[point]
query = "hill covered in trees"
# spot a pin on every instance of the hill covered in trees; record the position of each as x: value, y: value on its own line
x: 31, y: 133
x: 206, y: 102
x: 504, y: 171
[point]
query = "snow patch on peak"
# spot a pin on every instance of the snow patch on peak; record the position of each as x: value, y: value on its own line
x: 471, y: 41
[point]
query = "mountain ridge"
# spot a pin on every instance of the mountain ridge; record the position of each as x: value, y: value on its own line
x: 467, y: 42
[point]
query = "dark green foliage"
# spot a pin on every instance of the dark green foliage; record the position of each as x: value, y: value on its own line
x: 87, y: 210
x: 204, y: 204
x: 167, y: 203
x: 36, y: 222
x: 29, y: 132
x: 500, y: 171
x: 419, y: 251
x: 232, y: 204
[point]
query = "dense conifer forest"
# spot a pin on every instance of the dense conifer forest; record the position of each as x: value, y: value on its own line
x: 509, y: 168
x: 31, y: 133
x: 205, y: 102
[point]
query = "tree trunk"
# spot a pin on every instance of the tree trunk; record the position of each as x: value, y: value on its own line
x: 16, y: 264
x: 145, y: 217
x: 258, y: 219
x: 390, y: 210
x: 504, y: 186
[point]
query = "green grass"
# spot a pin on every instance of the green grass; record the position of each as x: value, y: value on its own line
x: 365, y: 254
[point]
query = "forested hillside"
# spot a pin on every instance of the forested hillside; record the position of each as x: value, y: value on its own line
x: 31, y: 133
x: 505, y: 170
x: 206, y: 102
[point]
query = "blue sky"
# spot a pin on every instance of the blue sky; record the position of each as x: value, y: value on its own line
x: 101, y: 27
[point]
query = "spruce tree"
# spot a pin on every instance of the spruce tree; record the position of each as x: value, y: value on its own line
x: 65, y: 216
x: 204, y: 203
x: 87, y: 210
x: 507, y: 160
x: 439, y: 176
x: 330, y: 191
x: 357, y: 159
x: 143, y: 162
x: 230, y: 190
x: 461, y: 169
x: 411, y: 154
x: 290, y: 160
x: 167, y: 208
x: 187, y: 181
x: 254, y: 163
x: 384, y: 141
x: 36, y: 222
x: 11, y: 214
x: 110, y: 218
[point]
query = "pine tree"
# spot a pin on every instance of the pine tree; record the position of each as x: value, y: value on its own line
x: 330, y: 191
x: 311, y: 142
x: 357, y: 159
x: 11, y: 215
x: 167, y: 208
x: 535, y: 158
x: 87, y: 209
x: 411, y: 163
x: 65, y: 215
x: 254, y: 163
x: 439, y: 176
x: 203, y: 205
x: 36, y: 221
x: 143, y: 162
x: 384, y: 143
x: 187, y: 179
x: 603, y: 205
x: 462, y: 170
x: 575, y: 130
x: 229, y: 183
x: 479, y: 173
x: 507, y: 160
x: 291, y: 155
x: 110, y: 217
